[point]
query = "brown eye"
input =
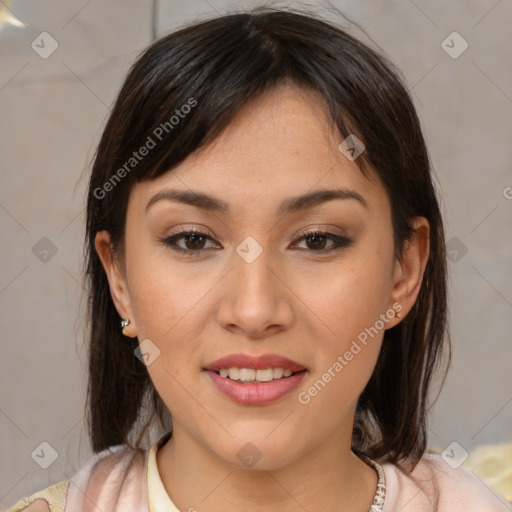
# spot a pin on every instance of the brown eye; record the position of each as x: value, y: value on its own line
x: 193, y: 242
x: 196, y: 241
x: 316, y: 241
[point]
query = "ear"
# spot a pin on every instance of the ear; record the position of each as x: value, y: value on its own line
x: 117, y: 281
x: 408, y: 273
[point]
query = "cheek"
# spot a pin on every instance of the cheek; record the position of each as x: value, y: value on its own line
x: 166, y: 298
x: 347, y: 350
x: 349, y: 296
x: 166, y: 309
x: 349, y: 301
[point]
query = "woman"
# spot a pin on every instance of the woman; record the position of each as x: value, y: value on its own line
x: 267, y: 272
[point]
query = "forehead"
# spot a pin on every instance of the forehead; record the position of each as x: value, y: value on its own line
x: 281, y: 144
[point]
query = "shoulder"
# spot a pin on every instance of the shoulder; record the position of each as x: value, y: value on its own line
x: 116, y: 473
x: 112, y: 478
x: 434, y: 485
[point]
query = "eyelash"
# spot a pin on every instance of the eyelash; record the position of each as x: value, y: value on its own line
x: 339, y: 241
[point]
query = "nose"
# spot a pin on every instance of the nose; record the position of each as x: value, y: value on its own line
x: 256, y: 301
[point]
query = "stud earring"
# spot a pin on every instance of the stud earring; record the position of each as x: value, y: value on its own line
x: 124, y: 323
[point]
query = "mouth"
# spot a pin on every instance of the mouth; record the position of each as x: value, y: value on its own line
x: 255, y: 380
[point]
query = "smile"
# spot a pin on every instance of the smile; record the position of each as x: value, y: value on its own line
x: 252, y: 391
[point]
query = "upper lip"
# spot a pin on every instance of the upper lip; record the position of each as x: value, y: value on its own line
x: 260, y: 362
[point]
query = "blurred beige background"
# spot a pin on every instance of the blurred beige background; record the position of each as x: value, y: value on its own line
x: 52, y: 109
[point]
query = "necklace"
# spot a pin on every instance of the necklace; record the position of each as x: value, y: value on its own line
x: 380, y: 493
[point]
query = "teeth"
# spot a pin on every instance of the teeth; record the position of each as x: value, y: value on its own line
x: 251, y: 375
x: 278, y: 373
x: 265, y: 375
x: 247, y: 374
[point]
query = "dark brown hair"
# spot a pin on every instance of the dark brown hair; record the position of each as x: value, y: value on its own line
x: 215, y: 67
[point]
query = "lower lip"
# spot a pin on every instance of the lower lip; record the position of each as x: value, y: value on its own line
x: 260, y: 393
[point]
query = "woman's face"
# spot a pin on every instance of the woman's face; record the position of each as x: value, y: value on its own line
x: 251, y: 283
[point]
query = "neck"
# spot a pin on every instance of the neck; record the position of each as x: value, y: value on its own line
x: 321, y: 480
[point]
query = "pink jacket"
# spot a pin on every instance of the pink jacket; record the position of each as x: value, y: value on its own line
x: 94, y: 488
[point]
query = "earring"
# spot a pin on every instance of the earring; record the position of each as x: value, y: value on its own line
x: 124, y: 323
x: 398, y: 315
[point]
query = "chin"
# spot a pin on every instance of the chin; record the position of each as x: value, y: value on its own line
x: 259, y: 452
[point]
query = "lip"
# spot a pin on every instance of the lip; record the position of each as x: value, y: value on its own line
x: 260, y: 393
x: 260, y: 362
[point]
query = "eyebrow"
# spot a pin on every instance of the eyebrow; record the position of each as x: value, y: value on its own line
x: 293, y: 204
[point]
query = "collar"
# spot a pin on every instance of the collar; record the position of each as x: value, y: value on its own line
x: 158, y: 499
